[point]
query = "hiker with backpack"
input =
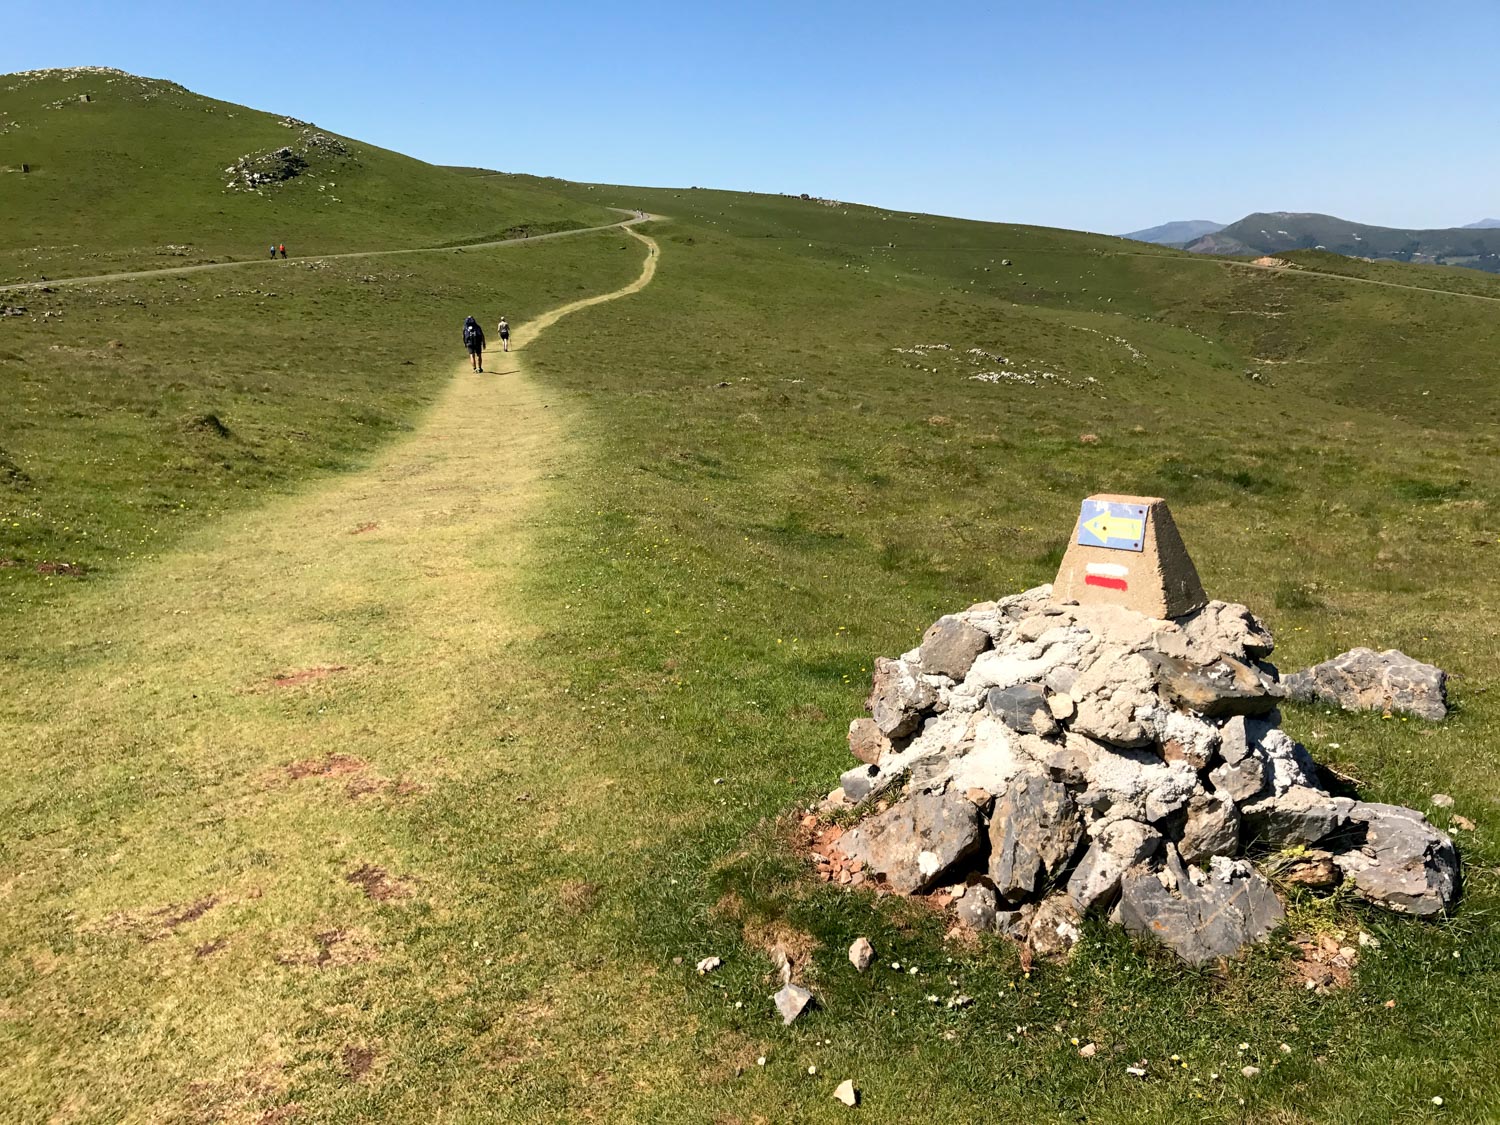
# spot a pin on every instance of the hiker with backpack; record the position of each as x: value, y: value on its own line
x: 474, y: 341
x: 504, y: 335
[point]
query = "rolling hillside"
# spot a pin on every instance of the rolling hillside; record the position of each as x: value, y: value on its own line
x: 345, y: 778
x: 1276, y: 232
x: 128, y: 172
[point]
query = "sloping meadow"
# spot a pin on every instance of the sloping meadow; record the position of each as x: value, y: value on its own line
x: 805, y: 447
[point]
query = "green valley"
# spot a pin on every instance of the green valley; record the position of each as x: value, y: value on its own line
x: 386, y: 742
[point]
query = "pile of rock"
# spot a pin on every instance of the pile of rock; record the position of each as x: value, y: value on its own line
x: 256, y: 171
x: 1038, y: 760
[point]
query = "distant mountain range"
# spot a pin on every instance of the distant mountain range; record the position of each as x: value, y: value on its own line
x: 1476, y: 245
x: 1179, y: 233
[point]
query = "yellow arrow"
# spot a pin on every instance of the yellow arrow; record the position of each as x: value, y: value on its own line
x: 1106, y: 526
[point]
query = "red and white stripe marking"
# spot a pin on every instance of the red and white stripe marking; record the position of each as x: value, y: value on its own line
x: 1111, y: 576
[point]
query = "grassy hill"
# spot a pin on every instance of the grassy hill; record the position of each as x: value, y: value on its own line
x: 128, y: 172
x: 820, y: 426
x: 1280, y: 231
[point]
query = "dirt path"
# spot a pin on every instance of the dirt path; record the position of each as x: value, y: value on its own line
x: 297, y: 698
x: 177, y: 271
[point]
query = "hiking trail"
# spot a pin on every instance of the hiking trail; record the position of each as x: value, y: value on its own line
x: 202, y: 267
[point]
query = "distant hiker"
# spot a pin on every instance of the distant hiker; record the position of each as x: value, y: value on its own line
x: 474, y: 341
x: 504, y: 335
x: 282, y: 248
x: 273, y: 251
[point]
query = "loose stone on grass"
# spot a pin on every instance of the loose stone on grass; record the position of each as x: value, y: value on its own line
x: 861, y: 954
x: 791, y: 1002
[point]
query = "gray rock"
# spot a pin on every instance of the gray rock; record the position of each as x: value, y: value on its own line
x: 950, y: 646
x: 1034, y: 832
x: 1119, y: 846
x: 1405, y: 863
x: 899, y: 697
x: 1363, y: 680
x: 1300, y: 815
x: 1242, y: 780
x: 1199, y: 917
x: 917, y: 841
x: 1227, y: 628
x: 1212, y: 828
x: 1185, y: 737
x: 1115, y: 699
x: 1023, y: 708
x: 1055, y: 926
x: 859, y: 782
x: 1015, y: 923
x: 1225, y: 687
x: 977, y: 908
x: 792, y: 1001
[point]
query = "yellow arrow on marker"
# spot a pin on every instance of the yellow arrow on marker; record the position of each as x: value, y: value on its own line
x: 1106, y: 526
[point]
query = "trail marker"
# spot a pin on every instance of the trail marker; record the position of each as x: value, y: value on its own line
x: 1126, y: 551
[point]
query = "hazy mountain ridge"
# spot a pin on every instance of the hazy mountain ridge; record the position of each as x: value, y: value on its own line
x: 1277, y: 232
x: 1177, y: 232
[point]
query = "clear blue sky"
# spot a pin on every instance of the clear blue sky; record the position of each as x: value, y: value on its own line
x: 1104, y: 116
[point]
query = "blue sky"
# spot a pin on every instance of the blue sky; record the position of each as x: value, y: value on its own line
x: 1100, y: 116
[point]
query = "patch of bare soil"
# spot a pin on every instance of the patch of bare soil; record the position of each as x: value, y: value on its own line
x: 1323, y: 962
x: 375, y: 785
x: 364, y: 527
x: 378, y: 884
x: 241, y: 1099
x: 152, y: 925
x: 70, y: 570
x: 329, y: 765
x: 789, y: 948
x: 209, y: 948
x: 577, y: 897
x: 306, y: 675
x: 357, y: 1061
x: 331, y: 949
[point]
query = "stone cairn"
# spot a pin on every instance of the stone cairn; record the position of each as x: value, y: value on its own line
x: 1110, y: 745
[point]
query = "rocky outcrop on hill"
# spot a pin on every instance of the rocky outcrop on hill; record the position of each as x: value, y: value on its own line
x: 256, y: 171
x: 1040, y: 761
x: 1363, y: 680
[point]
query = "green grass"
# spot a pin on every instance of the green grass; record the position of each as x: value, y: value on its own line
x: 143, y: 408
x: 135, y: 178
x: 610, y: 705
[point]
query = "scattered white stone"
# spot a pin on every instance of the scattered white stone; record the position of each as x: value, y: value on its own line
x: 761, y: 1061
x: 1286, y: 1049
x: 792, y: 1001
x: 1138, y: 1071
x: 708, y: 965
x: 1088, y: 1050
x: 812, y: 1070
x: 1250, y: 1071
x: 1437, y: 1101
x: 861, y: 954
x: 847, y: 1094
x: 1368, y: 941
x: 1442, y: 800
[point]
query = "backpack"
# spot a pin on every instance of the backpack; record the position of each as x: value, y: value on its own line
x: 471, y: 335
